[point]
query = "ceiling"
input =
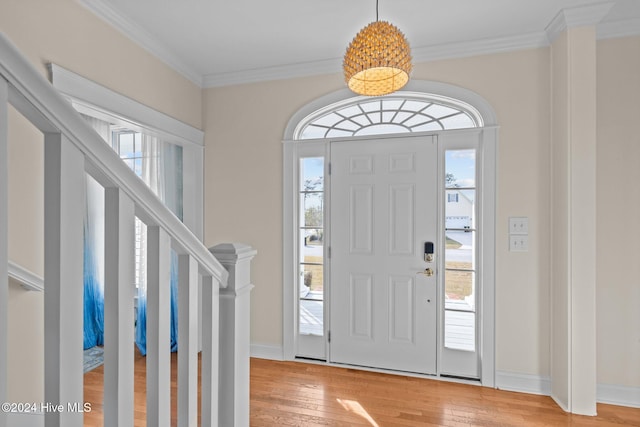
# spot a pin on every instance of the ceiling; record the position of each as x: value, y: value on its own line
x: 216, y: 42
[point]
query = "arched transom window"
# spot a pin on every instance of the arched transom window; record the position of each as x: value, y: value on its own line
x: 398, y: 113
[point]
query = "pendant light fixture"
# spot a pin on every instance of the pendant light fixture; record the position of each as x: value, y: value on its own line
x: 378, y: 60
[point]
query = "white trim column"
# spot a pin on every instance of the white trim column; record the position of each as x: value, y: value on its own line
x: 573, y: 207
x: 4, y: 243
x: 64, y: 208
x: 235, y: 309
x: 119, y: 290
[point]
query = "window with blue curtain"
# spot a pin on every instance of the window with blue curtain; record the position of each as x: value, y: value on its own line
x: 159, y: 165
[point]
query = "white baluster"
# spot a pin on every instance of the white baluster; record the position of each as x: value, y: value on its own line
x: 64, y: 194
x: 4, y: 238
x: 188, y: 342
x: 210, y: 348
x: 158, y: 327
x: 118, y: 308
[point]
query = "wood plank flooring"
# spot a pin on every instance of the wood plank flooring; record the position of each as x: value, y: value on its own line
x: 300, y: 394
x: 305, y: 395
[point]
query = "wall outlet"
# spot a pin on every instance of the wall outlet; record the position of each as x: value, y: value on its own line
x: 518, y: 243
x: 518, y: 225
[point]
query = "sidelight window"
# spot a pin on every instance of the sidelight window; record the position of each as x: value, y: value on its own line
x: 311, y: 246
x: 460, y: 250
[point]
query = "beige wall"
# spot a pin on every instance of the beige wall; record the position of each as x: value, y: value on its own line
x: 63, y: 32
x: 26, y: 345
x: 618, y: 212
x: 244, y: 126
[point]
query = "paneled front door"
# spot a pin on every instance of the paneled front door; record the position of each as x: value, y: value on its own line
x: 384, y: 204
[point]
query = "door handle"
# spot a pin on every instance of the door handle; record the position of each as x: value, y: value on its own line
x: 427, y: 272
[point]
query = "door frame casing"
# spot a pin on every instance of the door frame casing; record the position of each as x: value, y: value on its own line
x: 292, y: 151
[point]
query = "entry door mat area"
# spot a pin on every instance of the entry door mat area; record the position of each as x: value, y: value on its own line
x: 93, y: 357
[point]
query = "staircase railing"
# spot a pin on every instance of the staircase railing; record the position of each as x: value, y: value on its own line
x: 71, y: 150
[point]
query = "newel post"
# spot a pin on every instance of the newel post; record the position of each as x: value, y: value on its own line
x: 235, y: 307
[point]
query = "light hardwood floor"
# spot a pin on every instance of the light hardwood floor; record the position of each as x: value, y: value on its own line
x: 303, y: 394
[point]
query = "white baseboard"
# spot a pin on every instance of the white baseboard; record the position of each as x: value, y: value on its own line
x: 605, y: 393
x: 560, y: 403
x: 35, y: 419
x: 618, y: 395
x: 523, y: 383
x: 264, y: 351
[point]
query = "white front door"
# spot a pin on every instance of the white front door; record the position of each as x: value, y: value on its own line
x: 384, y: 205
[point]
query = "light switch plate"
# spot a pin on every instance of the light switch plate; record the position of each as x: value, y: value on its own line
x: 519, y: 243
x: 518, y: 225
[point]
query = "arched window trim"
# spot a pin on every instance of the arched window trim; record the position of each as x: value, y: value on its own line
x: 462, y: 99
x: 409, y: 115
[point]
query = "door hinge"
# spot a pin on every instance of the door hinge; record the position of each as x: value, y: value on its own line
x: 329, y: 168
x: 329, y: 252
x: 328, y: 336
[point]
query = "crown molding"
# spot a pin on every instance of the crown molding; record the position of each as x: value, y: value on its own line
x: 480, y: 47
x: 280, y: 72
x: 624, y: 28
x: 135, y: 33
x: 567, y: 18
x: 577, y: 17
x: 422, y: 54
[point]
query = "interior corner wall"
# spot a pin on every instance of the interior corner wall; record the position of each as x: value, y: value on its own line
x: 618, y: 212
x: 244, y: 126
x: 65, y: 33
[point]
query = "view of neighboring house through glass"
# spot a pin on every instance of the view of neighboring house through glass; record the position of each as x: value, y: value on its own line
x: 311, y: 246
x: 460, y: 250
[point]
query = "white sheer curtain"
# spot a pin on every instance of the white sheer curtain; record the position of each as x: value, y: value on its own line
x: 162, y: 171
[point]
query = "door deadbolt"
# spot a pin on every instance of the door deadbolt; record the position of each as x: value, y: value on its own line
x: 428, y: 251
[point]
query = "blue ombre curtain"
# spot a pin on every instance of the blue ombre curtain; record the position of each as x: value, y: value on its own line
x: 93, y: 296
x: 162, y: 171
x: 93, y: 256
x: 141, y: 323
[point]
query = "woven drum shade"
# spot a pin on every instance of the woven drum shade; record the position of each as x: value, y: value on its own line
x: 378, y: 60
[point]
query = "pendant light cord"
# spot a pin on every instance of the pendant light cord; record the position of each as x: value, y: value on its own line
x: 377, y: 11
